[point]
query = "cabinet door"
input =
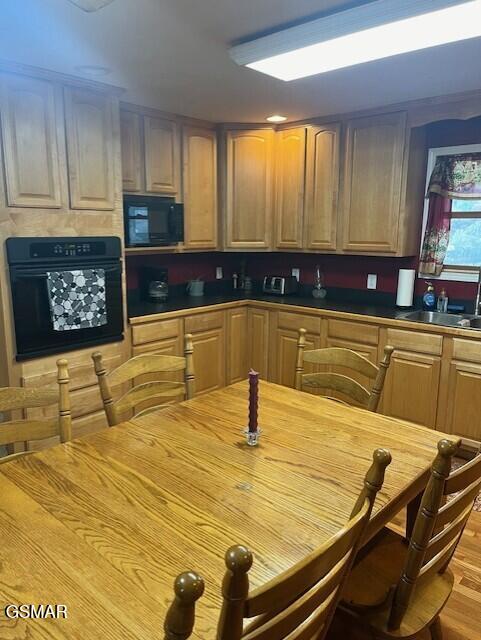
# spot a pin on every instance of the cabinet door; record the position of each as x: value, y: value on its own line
x: 249, y: 189
x: 290, y: 174
x: 236, y: 348
x: 208, y: 337
x: 322, y: 187
x: 464, y: 400
x: 131, y: 146
x: 258, y: 333
x: 90, y: 147
x: 359, y: 337
x: 32, y: 171
x: 200, y: 187
x: 372, y: 183
x: 284, y: 345
x: 162, y: 155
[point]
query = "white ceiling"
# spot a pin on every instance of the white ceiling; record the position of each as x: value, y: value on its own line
x: 172, y: 54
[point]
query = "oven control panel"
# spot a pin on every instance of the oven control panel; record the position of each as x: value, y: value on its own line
x: 57, y: 249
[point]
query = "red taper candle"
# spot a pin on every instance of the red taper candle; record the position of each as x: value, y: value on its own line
x: 253, y: 399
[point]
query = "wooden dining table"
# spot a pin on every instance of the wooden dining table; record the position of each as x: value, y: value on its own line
x: 103, y: 524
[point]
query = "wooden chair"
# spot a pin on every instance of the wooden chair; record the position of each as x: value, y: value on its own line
x: 330, y: 381
x: 179, y: 621
x: 300, y: 602
x: 159, y: 390
x: 24, y: 430
x: 398, y: 590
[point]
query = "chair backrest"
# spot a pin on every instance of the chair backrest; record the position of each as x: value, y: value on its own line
x: 300, y: 602
x: 25, y: 430
x: 445, y: 508
x: 179, y: 621
x: 160, y: 391
x: 331, y: 381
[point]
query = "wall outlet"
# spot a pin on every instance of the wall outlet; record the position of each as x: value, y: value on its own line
x: 371, y: 281
x: 296, y: 273
x: 219, y: 273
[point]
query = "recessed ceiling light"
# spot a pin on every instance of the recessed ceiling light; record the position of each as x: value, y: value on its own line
x: 276, y: 118
x: 93, y: 70
x: 91, y: 5
x: 376, y: 30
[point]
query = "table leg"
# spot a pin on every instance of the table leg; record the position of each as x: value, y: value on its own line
x: 411, y: 514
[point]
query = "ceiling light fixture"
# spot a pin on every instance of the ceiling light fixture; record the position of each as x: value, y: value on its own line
x: 276, y: 118
x: 380, y: 29
x: 91, y: 5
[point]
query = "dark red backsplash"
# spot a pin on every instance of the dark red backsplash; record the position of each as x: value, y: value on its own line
x: 339, y: 271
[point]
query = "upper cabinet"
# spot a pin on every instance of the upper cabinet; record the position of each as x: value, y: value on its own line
x: 248, y: 188
x: 373, y: 179
x: 290, y: 181
x: 90, y: 149
x: 30, y: 142
x: 161, y: 141
x: 150, y: 152
x: 131, y: 147
x: 199, y: 166
x: 322, y: 188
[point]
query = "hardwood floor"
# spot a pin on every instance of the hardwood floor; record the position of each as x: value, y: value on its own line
x: 461, y: 619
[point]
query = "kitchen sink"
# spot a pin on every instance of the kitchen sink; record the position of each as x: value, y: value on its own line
x: 435, y: 317
x: 444, y: 319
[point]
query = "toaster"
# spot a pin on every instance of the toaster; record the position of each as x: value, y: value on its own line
x: 280, y: 285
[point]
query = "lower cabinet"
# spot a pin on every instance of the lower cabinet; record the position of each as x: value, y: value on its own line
x: 208, y: 337
x: 361, y: 338
x: 412, y: 383
x: 461, y: 390
x: 258, y: 343
x: 283, y: 346
x: 236, y: 349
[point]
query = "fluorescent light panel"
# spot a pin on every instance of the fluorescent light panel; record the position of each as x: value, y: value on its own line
x: 456, y: 21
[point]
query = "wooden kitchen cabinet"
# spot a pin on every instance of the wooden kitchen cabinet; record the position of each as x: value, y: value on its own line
x: 290, y: 180
x: 283, y: 345
x: 236, y: 351
x: 258, y: 347
x: 162, y: 155
x: 359, y: 337
x: 30, y: 141
x: 199, y: 166
x: 322, y: 188
x: 248, y: 188
x: 131, y: 151
x: 412, y: 383
x: 208, y: 338
x: 461, y: 390
x: 90, y: 149
x: 373, y: 179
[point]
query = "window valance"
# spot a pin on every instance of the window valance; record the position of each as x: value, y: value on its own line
x: 457, y: 176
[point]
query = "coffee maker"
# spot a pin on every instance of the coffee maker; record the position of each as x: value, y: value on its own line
x: 154, y: 285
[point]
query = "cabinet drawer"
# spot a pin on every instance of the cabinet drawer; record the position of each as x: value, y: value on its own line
x: 469, y: 350
x: 81, y: 375
x: 296, y: 321
x: 204, y: 322
x: 353, y: 331
x: 154, y: 331
x: 415, y: 341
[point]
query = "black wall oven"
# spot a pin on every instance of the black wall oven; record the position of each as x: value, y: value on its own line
x: 40, y: 320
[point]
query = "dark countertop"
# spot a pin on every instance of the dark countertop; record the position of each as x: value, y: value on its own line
x: 141, y: 308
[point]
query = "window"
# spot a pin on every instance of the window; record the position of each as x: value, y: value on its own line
x: 463, y: 256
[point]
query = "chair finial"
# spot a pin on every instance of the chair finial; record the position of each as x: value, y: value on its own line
x: 374, y: 479
x: 179, y: 621
x: 235, y: 589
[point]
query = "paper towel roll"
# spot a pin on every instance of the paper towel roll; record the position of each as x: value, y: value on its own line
x: 405, y: 287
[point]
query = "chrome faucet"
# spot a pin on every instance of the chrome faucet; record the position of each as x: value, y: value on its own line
x: 478, y: 296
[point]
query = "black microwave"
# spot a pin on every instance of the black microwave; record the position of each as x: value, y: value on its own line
x: 152, y: 221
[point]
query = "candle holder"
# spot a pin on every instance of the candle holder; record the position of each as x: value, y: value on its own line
x: 252, y: 437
